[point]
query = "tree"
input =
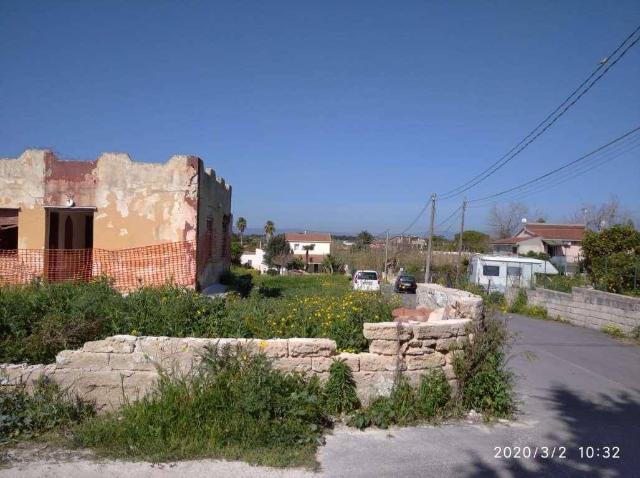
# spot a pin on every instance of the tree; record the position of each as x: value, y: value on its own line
x: 612, y: 257
x: 278, y: 253
x: 332, y: 264
x: 307, y: 248
x: 609, y: 213
x: 506, y: 220
x: 241, y: 224
x: 474, y: 241
x: 269, y: 229
x: 236, y: 252
x: 296, y: 263
x: 363, y: 240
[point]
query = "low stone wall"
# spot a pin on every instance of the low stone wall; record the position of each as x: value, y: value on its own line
x: 457, y: 304
x: 124, y: 366
x: 589, y: 308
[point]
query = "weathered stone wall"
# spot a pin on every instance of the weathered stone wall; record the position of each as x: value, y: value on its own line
x: 589, y: 308
x: 109, y: 370
x: 457, y: 304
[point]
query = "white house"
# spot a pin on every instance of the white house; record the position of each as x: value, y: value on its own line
x: 498, y: 272
x: 562, y: 242
x: 254, y: 259
x: 318, y: 243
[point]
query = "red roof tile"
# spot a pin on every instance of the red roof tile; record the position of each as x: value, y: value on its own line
x: 511, y: 240
x: 308, y: 237
x: 564, y: 232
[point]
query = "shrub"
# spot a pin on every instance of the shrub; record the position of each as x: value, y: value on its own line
x: 635, y: 333
x: 340, y: 390
x: 407, y: 405
x: 486, y: 384
x: 613, y: 330
x: 235, y: 406
x: 47, y: 408
x: 38, y: 320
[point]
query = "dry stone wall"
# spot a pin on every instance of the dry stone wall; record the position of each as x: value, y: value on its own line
x: 589, y: 308
x: 456, y: 304
x: 125, y: 367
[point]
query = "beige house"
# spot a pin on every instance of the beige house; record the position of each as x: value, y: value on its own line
x: 142, y: 223
x: 562, y: 242
x: 318, y: 243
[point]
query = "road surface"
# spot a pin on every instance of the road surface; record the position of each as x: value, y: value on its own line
x: 582, y: 389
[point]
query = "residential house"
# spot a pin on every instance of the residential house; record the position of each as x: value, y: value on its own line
x: 138, y: 223
x: 318, y: 243
x: 562, y: 242
x: 254, y: 259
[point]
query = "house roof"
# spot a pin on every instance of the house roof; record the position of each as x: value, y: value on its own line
x: 307, y: 237
x: 563, y: 232
x: 511, y: 240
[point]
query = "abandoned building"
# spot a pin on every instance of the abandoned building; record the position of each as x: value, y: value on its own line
x: 137, y: 223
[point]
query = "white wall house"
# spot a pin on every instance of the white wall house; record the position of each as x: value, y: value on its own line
x: 254, y: 259
x: 320, y: 241
x: 562, y: 242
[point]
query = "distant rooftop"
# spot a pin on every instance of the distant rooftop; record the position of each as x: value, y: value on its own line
x: 308, y: 237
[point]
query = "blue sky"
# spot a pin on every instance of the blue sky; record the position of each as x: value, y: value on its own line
x: 327, y: 115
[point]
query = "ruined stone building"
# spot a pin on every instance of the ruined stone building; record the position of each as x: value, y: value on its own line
x: 138, y: 223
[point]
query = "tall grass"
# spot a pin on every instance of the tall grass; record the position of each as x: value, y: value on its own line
x: 236, y: 406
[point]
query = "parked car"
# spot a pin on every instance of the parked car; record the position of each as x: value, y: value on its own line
x: 405, y: 283
x: 366, y: 280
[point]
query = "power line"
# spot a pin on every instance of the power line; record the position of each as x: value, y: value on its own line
x: 569, y: 175
x: 593, y: 78
x: 563, y: 167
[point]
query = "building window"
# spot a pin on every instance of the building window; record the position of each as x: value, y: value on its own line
x: 8, y: 229
x: 514, y: 271
x: 296, y: 246
x: 491, y: 271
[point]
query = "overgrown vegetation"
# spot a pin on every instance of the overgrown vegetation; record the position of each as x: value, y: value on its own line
x: 520, y: 306
x: 237, y: 406
x: 485, y: 382
x: 47, y: 408
x: 340, y: 390
x: 39, y: 320
x: 613, y: 330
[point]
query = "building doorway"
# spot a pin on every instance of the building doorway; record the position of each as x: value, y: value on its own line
x: 8, y: 229
x: 69, y: 254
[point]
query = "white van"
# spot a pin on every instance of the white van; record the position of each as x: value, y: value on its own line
x: 366, y: 280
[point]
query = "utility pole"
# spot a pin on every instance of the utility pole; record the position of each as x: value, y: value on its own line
x: 427, y: 272
x: 464, y: 208
x: 386, y: 257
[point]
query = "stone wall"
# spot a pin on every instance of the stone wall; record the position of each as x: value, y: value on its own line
x: 106, y: 371
x: 457, y: 304
x: 589, y: 308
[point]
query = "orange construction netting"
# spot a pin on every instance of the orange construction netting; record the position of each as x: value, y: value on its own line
x: 129, y: 269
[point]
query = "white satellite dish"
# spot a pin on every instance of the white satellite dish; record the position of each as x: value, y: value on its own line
x: 70, y: 202
x: 524, y: 220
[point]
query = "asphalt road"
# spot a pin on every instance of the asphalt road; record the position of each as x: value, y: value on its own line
x: 581, y: 389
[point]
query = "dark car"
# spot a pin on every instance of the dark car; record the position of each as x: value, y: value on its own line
x: 405, y: 283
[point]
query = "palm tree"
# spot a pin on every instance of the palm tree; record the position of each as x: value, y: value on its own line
x: 241, y: 224
x: 307, y: 248
x: 269, y: 229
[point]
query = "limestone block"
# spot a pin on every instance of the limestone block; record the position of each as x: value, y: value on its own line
x: 321, y: 364
x: 373, y: 362
x: 133, y: 361
x: 449, y: 372
x: 451, y: 343
x: 442, y: 329
x: 311, y: 347
x: 275, y: 348
x: 370, y: 385
x: 418, y: 347
x: 420, y: 362
x: 82, y: 360
x: 351, y: 360
x: 296, y: 364
x: 386, y: 331
x: 16, y: 374
x: 384, y: 347
x: 122, y: 344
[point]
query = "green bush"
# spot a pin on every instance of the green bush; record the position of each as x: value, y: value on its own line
x: 486, y: 384
x: 38, y: 320
x: 340, y: 390
x: 46, y: 408
x: 407, y: 405
x: 236, y: 407
x: 613, y: 330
